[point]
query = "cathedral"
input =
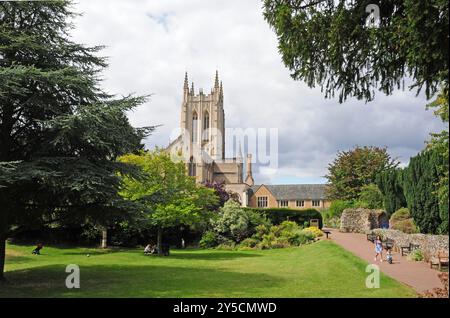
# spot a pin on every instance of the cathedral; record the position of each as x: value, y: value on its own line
x: 201, y: 143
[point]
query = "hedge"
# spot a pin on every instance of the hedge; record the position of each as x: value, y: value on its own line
x: 278, y: 215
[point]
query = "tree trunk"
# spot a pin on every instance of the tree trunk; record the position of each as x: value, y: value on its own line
x: 104, y: 238
x: 2, y: 258
x: 159, y: 242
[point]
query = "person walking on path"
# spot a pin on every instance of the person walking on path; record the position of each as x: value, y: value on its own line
x: 378, y: 248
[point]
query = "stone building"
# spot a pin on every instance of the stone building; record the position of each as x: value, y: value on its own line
x: 293, y: 196
x: 201, y: 145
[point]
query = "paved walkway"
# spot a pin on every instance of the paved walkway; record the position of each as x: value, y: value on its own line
x: 418, y: 275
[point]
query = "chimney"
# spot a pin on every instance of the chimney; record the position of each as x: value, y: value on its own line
x: 249, y: 179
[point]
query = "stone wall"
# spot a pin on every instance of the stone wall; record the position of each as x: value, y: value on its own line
x: 428, y: 244
x: 362, y: 220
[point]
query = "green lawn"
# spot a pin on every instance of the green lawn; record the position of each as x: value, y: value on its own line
x: 322, y: 269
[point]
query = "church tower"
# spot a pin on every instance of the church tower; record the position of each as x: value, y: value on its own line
x: 202, y: 141
x: 203, y: 121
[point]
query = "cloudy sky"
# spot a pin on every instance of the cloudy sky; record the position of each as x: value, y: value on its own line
x: 151, y: 43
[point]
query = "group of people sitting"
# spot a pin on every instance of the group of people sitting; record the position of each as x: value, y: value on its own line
x: 152, y: 249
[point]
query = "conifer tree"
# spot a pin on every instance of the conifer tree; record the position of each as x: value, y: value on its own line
x: 60, y: 134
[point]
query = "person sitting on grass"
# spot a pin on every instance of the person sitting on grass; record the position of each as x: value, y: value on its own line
x: 37, y: 250
x: 150, y: 249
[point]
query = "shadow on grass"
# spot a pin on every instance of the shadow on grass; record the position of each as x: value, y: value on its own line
x: 136, y: 281
x: 96, y: 251
x: 209, y: 255
x: 13, y: 259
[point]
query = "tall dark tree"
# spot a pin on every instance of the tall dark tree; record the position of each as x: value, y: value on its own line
x: 60, y: 133
x: 328, y: 43
x: 390, y: 185
x: 440, y: 142
x: 354, y: 169
x: 420, y: 183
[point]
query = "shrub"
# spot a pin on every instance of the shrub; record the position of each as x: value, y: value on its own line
x: 209, y: 240
x: 279, y: 215
x: 401, y: 220
x: 286, y: 234
x: 267, y: 241
x: 231, y: 246
x: 302, y: 237
x: 333, y: 222
x: 401, y: 214
x: 406, y: 226
x: 314, y: 231
x: 439, y: 292
x: 249, y: 242
x: 416, y: 255
x: 236, y: 223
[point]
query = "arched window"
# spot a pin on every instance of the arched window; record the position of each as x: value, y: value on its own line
x: 194, y: 127
x: 191, y: 168
x: 205, y: 126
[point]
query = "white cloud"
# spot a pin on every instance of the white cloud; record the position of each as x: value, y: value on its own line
x: 150, y: 44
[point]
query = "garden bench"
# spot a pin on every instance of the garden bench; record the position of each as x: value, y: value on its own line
x: 405, y: 250
x: 440, y: 259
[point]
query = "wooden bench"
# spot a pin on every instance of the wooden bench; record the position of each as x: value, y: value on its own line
x: 440, y: 259
x: 405, y: 250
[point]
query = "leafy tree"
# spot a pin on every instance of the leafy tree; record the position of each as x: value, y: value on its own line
x: 419, y: 185
x: 167, y: 196
x: 353, y: 169
x: 220, y: 191
x: 440, y: 143
x: 337, y: 207
x: 390, y: 184
x: 327, y: 43
x: 371, y: 196
x: 59, y: 132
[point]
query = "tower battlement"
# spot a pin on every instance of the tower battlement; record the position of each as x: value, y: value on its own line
x: 203, y: 118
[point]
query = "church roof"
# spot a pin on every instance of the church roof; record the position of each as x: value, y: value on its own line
x: 295, y: 191
x: 174, y: 141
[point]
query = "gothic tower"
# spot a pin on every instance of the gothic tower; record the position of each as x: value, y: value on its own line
x: 203, y: 121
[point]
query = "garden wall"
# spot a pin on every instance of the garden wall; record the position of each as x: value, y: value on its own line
x: 428, y: 244
x: 362, y: 220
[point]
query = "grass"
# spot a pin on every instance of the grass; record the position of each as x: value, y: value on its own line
x: 322, y: 269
